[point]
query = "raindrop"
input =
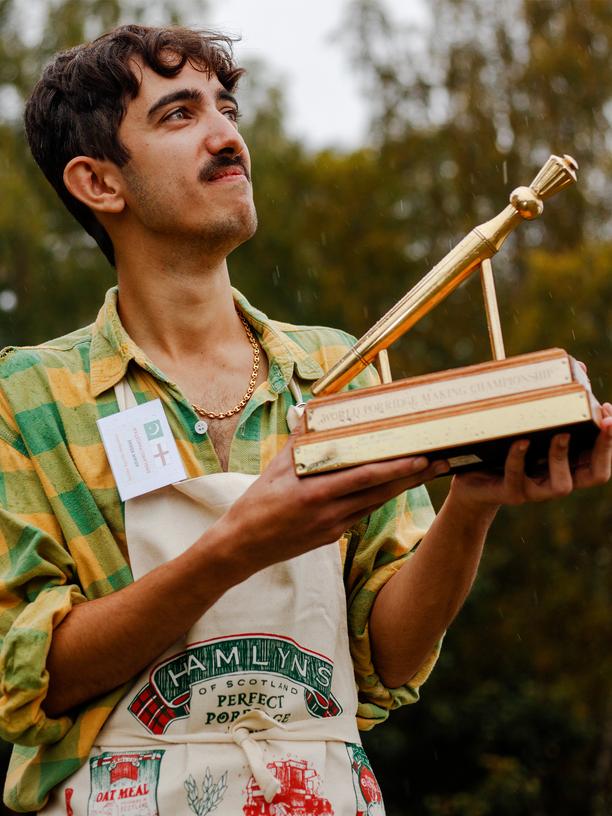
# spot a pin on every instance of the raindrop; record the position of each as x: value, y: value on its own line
x: 11, y: 103
x: 448, y: 169
x: 8, y: 300
x: 599, y: 45
x: 463, y: 348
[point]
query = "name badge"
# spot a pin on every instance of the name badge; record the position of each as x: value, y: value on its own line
x: 141, y: 449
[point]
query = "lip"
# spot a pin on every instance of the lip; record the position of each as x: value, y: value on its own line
x: 228, y: 174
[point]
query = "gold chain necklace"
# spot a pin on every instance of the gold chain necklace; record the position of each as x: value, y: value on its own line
x: 249, y: 392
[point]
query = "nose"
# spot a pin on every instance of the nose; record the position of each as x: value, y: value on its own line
x: 222, y: 137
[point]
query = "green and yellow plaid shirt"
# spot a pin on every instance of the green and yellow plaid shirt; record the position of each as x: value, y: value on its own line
x: 62, y: 536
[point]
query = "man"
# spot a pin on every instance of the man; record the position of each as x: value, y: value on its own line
x: 188, y: 648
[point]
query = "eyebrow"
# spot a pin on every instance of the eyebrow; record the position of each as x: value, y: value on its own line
x: 226, y: 96
x: 187, y: 95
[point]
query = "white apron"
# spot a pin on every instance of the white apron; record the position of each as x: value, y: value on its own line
x: 253, y: 710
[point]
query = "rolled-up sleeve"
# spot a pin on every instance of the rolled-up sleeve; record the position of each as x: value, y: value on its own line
x: 375, y: 550
x: 37, y: 590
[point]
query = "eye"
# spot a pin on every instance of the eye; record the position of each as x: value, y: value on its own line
x: 232, y: 113
x: 176, y: 115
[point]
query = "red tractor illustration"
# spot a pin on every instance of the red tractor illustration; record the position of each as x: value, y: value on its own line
x: 297, y: 796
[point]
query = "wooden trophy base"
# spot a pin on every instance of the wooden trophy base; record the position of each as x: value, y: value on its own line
x: 469, y: 416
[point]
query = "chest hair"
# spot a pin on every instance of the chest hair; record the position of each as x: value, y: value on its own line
x: 221, y: 431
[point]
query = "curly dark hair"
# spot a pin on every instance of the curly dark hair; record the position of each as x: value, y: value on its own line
x: 77, y: 106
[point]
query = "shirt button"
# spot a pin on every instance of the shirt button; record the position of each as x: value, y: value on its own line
x: 200, y: 427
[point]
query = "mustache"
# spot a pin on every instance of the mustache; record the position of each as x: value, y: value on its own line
x: 219, y: 163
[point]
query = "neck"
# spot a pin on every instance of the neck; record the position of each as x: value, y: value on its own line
x: 174, y: 307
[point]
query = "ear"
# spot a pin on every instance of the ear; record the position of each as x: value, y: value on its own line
x: 95, y: 182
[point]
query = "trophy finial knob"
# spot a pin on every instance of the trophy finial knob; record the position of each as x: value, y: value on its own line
x: 527, y: 204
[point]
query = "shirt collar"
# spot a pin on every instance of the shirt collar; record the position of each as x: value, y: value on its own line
x: 284, y: 354
x: 112, y: 349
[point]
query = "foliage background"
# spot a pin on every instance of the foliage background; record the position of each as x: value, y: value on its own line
x: 518, y: 716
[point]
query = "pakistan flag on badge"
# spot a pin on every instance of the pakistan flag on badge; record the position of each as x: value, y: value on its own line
x: 124, y: 783
x: 153, y: 430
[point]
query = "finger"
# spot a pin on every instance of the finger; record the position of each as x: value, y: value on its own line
x: 514, y: 471
x: 363, y: 477
x: 358, y: 503
x: 599, y: 468
x: 560, y: 481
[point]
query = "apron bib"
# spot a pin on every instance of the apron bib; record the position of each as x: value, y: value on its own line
x: 253, y: 711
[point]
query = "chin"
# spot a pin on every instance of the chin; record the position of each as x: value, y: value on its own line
x: 230, y: 232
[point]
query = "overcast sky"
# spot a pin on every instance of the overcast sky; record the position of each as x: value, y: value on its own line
x: 296, y: 40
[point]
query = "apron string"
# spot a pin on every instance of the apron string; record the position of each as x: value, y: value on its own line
x: 250, y: 729
x: 296, y: 393
x: 256, y: 721
x: 125, y: 395
x: 294, y: 414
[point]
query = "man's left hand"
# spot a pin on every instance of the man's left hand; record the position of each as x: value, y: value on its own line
x: 515, y: 487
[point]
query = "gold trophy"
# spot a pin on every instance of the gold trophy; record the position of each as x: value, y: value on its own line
x: 469, y: 415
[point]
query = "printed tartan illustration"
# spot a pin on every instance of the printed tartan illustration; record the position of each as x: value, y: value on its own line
x: 153, y: 713
x: 320, y: 706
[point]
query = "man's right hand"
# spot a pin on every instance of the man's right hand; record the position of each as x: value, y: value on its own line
x: 305, y: 513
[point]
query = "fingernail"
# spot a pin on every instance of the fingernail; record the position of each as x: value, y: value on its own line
x: 522, y: 446
x: 563, y: 440
x: 441, y: 467
x: 419, y: 463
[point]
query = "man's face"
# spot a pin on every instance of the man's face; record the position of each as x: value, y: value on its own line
x: 189, y: 172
